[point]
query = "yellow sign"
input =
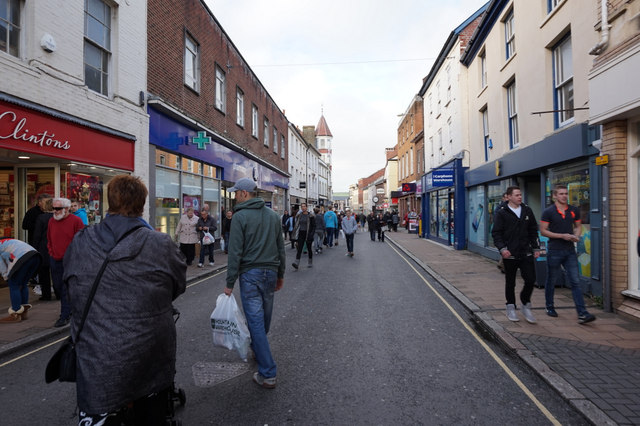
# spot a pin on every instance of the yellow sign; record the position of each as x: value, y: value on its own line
x: 498, y: 171
x: 602, y: 160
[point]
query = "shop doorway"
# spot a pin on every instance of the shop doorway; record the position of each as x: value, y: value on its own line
x: 28, y: 183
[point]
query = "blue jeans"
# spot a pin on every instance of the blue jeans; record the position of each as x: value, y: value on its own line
x: 318, y: 239
x: 330, y: 233
x: 569, y: 260
x: 206, y: 249
x: 57, y: 271
x: 256, y: 291
x: 349, y: 238
x: 19, y: 282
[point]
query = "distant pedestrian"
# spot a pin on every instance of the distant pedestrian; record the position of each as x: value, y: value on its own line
x: 371, y: 224
x: 303, y: 232
x: 61, y: 229
x: 40, y: 244
x: 349, y: 227
x: 29, y: 220
x: 562, y: 225
x: 18, y: 263
x: 331, y: 225
x: 395, y: 219
x: 320, y: 229
x: 226, y: 229
x: 257, y: 259
x: 78, y: 210
x: 336, y: 232
x: 284, y: 219
x: 187, y: 235
x: 515, y: 234
x: 381, y: 225
x: 206, y: 224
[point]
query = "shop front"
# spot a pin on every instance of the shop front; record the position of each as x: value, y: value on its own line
x: 194, y: 166
x: 530, y: 169
x: 43, y: 151
x: 444, y: 205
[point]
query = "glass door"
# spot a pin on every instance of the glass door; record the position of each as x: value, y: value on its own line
x: 31, y: 182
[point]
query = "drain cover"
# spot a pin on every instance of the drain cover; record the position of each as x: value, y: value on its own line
x: 208, y: 374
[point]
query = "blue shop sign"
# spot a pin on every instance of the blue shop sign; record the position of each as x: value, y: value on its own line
x: 167, y: 133
x: 443, y: 177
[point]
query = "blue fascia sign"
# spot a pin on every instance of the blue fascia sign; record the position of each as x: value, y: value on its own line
x: 442, y: 177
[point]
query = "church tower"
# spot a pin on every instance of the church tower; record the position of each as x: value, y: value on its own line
x: 324, y: 139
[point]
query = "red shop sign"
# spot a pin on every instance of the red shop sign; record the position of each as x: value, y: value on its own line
x: 22, y: 129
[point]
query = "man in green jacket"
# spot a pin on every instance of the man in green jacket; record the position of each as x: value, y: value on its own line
x: 257, y: 259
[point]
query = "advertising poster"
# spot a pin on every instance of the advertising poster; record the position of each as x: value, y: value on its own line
x: 476, y: 216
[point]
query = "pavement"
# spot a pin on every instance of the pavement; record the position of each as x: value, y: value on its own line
x: 592, y: 366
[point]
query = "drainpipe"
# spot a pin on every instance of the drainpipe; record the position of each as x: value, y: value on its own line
x: 604, y: 39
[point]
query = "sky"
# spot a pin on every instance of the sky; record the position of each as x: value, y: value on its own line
x: 358, y: 62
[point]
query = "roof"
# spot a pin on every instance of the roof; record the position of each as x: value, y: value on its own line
x: 322, y: 129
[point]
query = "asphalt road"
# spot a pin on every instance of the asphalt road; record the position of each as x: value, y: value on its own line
x: 363, y: 340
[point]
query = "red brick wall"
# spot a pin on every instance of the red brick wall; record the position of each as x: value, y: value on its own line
x: 168, y: 21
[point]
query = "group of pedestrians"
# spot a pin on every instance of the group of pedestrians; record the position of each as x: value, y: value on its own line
x: 515, y: 235
x: 193, y: 229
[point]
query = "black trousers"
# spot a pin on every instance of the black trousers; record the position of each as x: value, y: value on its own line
x: 527, y: 271
x: 189, y: 251
x: 302, y: 237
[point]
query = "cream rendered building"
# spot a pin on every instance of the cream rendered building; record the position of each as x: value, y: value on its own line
x: 528, y: 67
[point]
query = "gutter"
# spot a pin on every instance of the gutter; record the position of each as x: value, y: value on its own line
x: 604, y: 40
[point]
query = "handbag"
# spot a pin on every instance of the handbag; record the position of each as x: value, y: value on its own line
x: 62, y: 365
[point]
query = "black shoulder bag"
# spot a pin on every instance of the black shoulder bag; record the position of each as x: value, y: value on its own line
x: 62, y: 365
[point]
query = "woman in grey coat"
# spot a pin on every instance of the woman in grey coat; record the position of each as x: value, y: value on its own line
x: 127, y: 349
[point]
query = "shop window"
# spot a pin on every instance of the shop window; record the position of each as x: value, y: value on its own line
x: 167, y: 200
x: 87, y: 191
x: 10, y: 27
x: 6, y: 203
x: 578, y: 181
x: 494, y: 198
x: 476, y: 216
x: 97, y: 45
x: 211, y: 196
x: 191, y: 63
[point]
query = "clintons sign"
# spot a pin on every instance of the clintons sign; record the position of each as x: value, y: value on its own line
x: 26, y: 130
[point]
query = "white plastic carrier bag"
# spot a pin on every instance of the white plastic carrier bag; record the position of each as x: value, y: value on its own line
x: 230, y: 326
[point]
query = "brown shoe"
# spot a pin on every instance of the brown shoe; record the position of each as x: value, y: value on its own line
x: 26, y: 309
x: 14, y: 316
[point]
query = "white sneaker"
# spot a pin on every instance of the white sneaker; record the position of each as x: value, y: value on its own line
x: 200, y: 265
x: 528, y: 315
x: 211, y: 263
x: 511, y: 313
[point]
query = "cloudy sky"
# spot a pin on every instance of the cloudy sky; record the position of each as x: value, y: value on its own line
x: 359, y: 61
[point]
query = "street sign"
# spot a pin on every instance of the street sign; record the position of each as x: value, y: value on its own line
x: 602, y: 160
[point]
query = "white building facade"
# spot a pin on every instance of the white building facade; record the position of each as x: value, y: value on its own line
x: 72, y: 102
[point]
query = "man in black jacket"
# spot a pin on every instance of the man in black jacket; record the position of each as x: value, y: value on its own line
x: 515, y: 234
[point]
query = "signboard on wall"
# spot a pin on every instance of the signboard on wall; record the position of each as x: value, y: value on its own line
x: 443, y: 177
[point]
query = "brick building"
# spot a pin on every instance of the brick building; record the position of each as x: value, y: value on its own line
x: 211, y: 119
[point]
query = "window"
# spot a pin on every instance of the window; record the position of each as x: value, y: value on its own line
x: 563, y: 82
x: 266, y: 132
x: 282, y: 146
x: 483, y: 70
x: 513, y: 115
x: 221, y: 90
x: 438, y: 97
x: 431, y: 144
x: 509, y: 35
x: 450, y: 130
x: 275, y: 140
x: 411, y: 161
x: 191, y: 64
x: 485, y: 132
x: 10, y: 27
x: 97, y: 45
x: 254, y: 121
x: 552, y: 4
x: 440, y: 139
x: 239, y: 107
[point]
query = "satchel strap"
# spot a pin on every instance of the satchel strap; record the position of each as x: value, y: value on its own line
x: 94, y: 287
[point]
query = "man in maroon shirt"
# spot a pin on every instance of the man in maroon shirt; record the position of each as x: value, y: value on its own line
x: 60, y: 231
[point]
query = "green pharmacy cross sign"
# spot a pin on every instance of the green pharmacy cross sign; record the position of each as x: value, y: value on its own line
x: 202, y: 140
